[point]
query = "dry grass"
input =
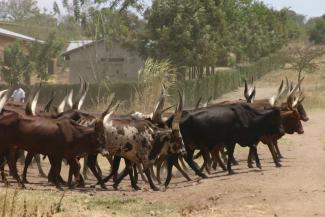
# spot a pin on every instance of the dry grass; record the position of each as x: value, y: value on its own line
x: 313, y: 84
x: 38, y: 203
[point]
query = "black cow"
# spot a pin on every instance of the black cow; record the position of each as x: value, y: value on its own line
x: 227, y: 124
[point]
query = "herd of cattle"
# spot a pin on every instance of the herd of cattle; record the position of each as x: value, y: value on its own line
x: 144, y: 140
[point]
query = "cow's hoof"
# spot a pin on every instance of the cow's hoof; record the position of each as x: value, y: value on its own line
x: 278, y: 165
x: 259, y: 166
x: 115, y: 187
x: 202, y: 175
x: 136, y: 188
x: 155, y: 189
x: 280, y: 156
x: 103, y: 186
x: 250, y: 166
x: 231, y: 172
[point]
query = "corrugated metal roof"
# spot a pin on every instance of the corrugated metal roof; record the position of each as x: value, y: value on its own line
x: 73, y: 45
x: 11, y: 34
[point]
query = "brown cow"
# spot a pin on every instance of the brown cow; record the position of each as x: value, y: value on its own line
x: 56, y: 138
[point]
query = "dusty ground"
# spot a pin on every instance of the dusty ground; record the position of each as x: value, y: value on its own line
x: 296, y: 189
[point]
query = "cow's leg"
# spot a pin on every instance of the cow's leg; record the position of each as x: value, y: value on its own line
x: 279, y: 155
x: 230, y: 150
x: 133, y: 180
x: 199, y: 154
x: 56, y: 163
x: 37, y: 158
x: 181, y: 159
x: 12, y: 165
x: 74, y: 169
x: 207, y: 161
x: 171, y: 159
x: 192, y: 164
x: 234, y: 161
x: 159, y: 163
x: 85, y: 168
x: 257, y: 159
x: 114, y: 170
x: 152, y: 185
x: 2, y: 169
x: 91, y: 163
x: 125, y: 172
x: 135, y: 173
x: 99, y: 170
x: 215, y: 153
x: 140, y: 170
x: 275, y: 159
x: 249, y: 158
x: 176, y: 164
x: 28, y: 160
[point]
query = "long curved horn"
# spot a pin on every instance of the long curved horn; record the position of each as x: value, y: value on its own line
x: 178, y: 113
x: 107, y: 110
x: 3, y: 92
x: 3, y: 101
x: 107, y: 117
x: 62, y: 104
x: 34, y: 103
x: 83, y: 97
x: 69, y: 99
x: 156, y: 116
x: 49, y: 103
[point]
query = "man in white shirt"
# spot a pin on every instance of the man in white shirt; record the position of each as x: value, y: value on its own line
x: 18, y: 95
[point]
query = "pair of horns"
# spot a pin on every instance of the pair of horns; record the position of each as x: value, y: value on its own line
x: 287, y: 93
x: 250, y: 92
x: 68, y: 99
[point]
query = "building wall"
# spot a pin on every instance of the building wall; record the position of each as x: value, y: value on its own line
x: 101, y: 61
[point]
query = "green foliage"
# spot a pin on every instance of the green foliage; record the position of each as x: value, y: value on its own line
x: 40, y: 54
x: 317, y: 31
x: 23, y: 59
x: 18, y: 10
x: 16, y: 66
x: 201, y: 34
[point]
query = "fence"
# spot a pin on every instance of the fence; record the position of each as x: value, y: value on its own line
x: 227, y: 80
x: 213, y: 85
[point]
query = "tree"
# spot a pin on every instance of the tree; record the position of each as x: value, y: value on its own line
x: 19, y: 10
x: 303, y: 57
x: 16, y: 67
x: 40, y: 54
x: 317, y: 31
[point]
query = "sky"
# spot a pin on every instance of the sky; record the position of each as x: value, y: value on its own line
x: 309, y: 8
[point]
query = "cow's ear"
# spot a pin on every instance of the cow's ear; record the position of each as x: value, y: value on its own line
x: 66, y: 130
x: 242, y: 116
